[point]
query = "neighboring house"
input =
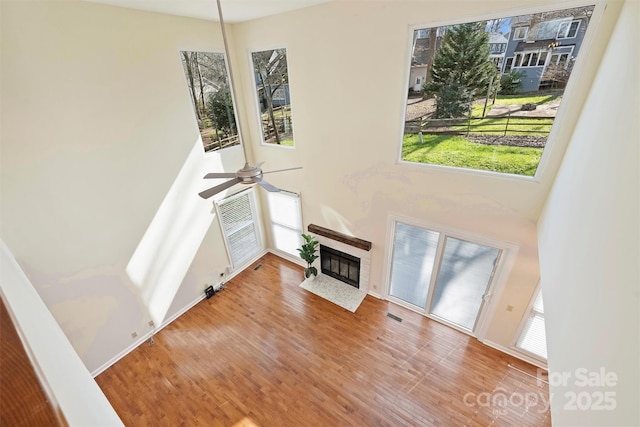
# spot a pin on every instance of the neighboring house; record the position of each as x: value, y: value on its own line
x: 539, y: 40
x: 421, y: 52
x: 497, y: 48
x: 419, y: 67
x: 280, y: 96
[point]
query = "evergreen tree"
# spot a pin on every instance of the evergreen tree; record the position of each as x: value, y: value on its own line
x: 221, y: 111
x: 462, y: 65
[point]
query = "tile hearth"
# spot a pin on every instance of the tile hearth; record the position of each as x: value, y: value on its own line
x: 335, y: 291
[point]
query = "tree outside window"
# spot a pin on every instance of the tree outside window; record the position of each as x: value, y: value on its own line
x: 274, y: 97
x: 486, y: 108
x: 208, y: 85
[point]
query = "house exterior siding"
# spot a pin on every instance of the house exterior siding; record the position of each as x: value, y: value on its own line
x: 545, y: 36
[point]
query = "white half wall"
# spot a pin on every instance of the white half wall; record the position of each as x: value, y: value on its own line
x: 59, y: 368
x: 589, y: 238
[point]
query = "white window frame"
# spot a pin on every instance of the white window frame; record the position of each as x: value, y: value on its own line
x: 568, y: 29
x: 530, y: 312
x: 530, y: 63
x: 275, y: 223
x: 506, y: 70
x: 515, y: 33
x: 496, y: 284
x: 257, y: 100
x: 238, y: 260
x: 546, y: 58
x: 570, y: 91
x: 554, y: 57
x: 233, y: 100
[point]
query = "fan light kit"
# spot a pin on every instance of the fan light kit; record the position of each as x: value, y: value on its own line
x: 249, y: 174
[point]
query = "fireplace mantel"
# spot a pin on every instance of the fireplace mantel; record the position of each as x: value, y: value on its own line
x: 343, y: 238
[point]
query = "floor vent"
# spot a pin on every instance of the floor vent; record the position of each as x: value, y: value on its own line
x: 394, y: 317
x: 257, y: 267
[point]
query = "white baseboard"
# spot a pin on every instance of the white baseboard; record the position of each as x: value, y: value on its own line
x: 288, y: 257
x: 375, y: 294
x: 167, y: 321
x: 515, y: 354
x: 145, y: 337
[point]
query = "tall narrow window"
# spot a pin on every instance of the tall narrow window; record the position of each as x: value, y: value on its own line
x: 533, y: 338
x: 508, y: 65
x: 208, y: 84
x: 542, y: 59
x: 238, y: 219
x: 286, y: 221
x: 271, y: 75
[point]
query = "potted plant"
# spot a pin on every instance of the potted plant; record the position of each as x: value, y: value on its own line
x: 308, y: 252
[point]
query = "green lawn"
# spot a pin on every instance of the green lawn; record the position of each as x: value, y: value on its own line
x: 453, y: 150
x: 286, y: 142
x: 530, y: 99
x: 478, y: 106
x: 516, y: 126
x: 457, y: 151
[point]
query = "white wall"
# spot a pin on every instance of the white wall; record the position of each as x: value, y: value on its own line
x: 101, y: 162
x: 101, y: 166
x: 590, y: 247
x: 348, y: 65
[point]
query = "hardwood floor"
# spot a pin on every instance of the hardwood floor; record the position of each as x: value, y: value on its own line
x: 23, y: 400
x: 265, y: 352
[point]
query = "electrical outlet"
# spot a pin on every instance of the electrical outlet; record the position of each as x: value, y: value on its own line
x: 134, y: 334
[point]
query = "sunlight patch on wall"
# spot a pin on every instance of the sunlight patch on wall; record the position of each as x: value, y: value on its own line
x: 336, y: 221
x: 168, y: 247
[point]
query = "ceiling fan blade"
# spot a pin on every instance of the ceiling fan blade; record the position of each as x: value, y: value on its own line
x: 218, y: 188
x: 264, y: 184
x: 220, y: 175
x: 282, y: 170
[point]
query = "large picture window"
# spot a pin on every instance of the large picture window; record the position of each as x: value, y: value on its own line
x: 271, y: 74
x: 208, y: 84
x: 483, y: 108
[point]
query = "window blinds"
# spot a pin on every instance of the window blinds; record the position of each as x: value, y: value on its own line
x: 533, y: 338
x: 286, y: 221
x: 242, y: 235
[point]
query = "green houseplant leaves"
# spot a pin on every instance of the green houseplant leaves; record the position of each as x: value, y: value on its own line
x: 308, y: 252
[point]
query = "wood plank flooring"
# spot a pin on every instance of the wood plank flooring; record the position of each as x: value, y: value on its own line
x: 23, y: 400
x: 265, y: 352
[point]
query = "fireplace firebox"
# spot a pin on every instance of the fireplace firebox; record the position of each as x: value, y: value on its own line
x: 339, y: 265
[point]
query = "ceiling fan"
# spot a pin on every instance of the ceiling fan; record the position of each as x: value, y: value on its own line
x: 249, y: 174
